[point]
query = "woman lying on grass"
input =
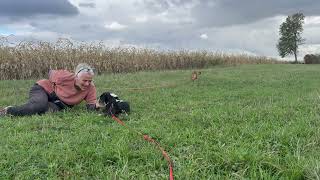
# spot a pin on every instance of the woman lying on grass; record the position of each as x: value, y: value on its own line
x: 62, y: 89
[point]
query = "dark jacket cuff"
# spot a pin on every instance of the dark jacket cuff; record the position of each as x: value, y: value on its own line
x: 91, y: 107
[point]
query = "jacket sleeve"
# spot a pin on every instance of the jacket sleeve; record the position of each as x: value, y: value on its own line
x: 91, y: 97
x: 91, y: 107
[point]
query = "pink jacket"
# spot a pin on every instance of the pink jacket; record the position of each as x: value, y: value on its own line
x: 62, y: 83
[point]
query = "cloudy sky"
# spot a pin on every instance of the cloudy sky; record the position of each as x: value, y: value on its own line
x: 232, y: 26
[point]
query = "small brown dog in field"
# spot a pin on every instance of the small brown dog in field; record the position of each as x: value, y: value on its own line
x: 194, y: 75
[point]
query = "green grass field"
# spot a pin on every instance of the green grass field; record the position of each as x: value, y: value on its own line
x: 239, y: 122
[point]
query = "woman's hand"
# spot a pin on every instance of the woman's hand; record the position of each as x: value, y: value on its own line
x: 98, y: 105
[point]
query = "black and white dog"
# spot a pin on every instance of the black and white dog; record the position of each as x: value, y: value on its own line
x: 112, y: 105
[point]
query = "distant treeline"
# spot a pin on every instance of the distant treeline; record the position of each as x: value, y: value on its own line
x: 34, y: 59
x: 312, y: 59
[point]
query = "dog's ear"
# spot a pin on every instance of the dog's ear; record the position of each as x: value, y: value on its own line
x: 107, y: 97
x: 102, y: 97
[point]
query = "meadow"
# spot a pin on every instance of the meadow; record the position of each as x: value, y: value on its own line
x: 234, y: 122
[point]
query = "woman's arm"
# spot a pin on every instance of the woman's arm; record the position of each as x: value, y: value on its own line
x: 93, y: 107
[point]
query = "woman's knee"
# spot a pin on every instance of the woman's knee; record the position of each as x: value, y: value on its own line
x: 42, y: 107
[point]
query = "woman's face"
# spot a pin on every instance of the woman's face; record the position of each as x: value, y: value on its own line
x: 83, y: 80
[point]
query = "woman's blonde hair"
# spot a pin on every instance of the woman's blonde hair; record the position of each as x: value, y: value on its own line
x: 83, y: 67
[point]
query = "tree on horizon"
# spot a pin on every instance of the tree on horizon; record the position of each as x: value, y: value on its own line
x: 290, y: 35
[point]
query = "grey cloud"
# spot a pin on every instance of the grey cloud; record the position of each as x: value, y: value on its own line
x: 229, y: 12
x: 87, y: 5
x: 23, y: 8
x: 311, y: 34
x: 139, y: 34
x: 156, y: 6
x: 170, y: 37
x: 85, y: 26
x: 230, y: 25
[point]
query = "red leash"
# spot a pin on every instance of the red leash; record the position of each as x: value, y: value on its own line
x: 149, y: 139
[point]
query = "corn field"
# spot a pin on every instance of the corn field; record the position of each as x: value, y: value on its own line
x: 30, y: 59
